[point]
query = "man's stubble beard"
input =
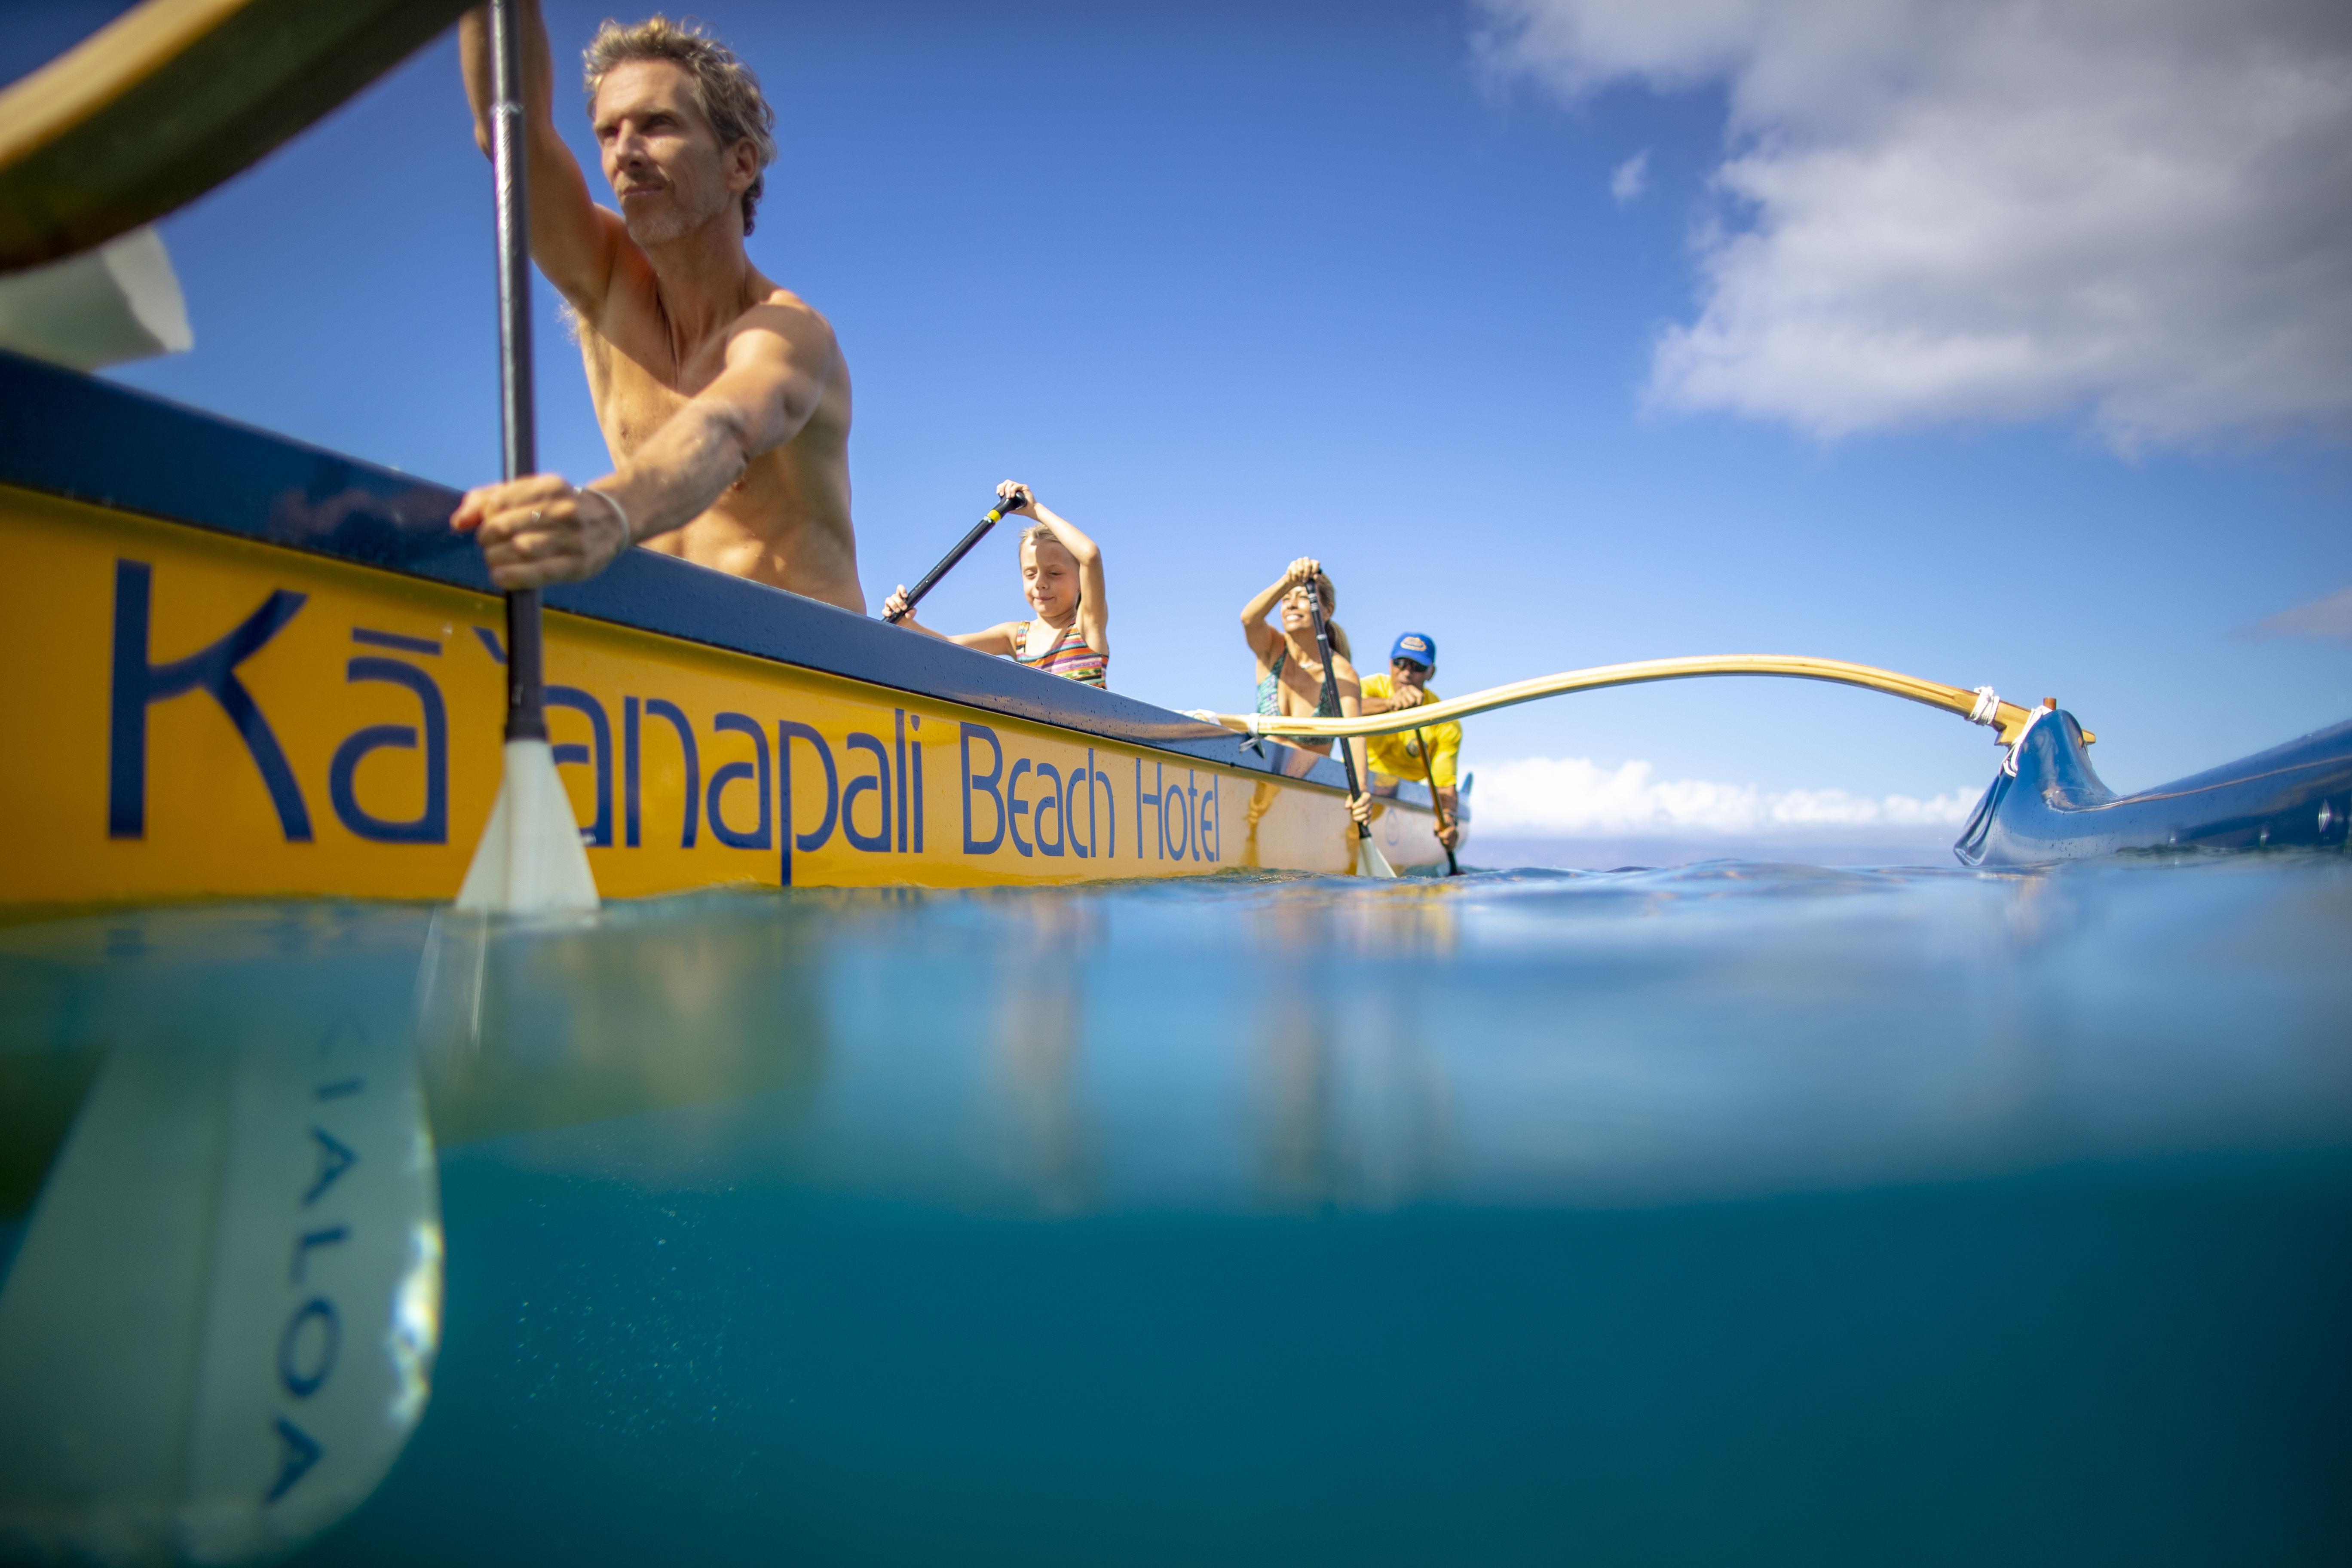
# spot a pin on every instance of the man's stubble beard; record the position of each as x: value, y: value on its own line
x: 679, y: 221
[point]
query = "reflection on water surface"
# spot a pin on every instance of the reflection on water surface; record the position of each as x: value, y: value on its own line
x: 1733, y: 1212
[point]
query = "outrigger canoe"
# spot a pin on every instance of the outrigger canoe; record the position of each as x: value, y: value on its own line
x: 246, y: 667
x: 249, y: 667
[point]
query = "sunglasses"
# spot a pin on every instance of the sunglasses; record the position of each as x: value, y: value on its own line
x: 1412, y: 665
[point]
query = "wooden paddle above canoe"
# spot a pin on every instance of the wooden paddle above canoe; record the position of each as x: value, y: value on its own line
x: 175, y: 96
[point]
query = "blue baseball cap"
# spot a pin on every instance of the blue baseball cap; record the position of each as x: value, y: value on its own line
x: 1416, y: 648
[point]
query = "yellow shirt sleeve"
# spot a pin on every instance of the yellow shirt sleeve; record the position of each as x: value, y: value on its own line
x: 1397, y: 756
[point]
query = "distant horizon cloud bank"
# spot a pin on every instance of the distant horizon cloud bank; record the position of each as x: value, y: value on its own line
x: 2134, y: 212
x: 1577, y: 797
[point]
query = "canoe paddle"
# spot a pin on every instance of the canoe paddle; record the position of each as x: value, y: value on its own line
x: 248, y: 1185
x: 1452, y: 867
x: 964, y: 548
x: 1370, y: 861
x: 531, y: 858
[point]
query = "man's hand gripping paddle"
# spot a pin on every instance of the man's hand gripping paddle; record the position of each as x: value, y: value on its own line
x: 530, y: 859
x: 964, y: 548
x: 1370, y: 861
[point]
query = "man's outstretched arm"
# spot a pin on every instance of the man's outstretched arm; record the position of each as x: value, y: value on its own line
x: 574, y: 242
x: 540, y: 529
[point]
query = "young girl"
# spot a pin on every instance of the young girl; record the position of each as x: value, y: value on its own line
x: 1291, y: 679
x: 1062, y: 578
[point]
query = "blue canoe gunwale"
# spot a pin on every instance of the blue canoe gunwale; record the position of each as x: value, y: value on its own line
x: 2055, y: 807
x: 74, y: 436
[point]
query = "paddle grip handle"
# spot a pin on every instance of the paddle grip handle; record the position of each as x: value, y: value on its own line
x: 930, y: 578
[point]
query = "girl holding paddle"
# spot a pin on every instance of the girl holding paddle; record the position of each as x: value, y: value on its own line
x: 1062, y: 578
x: 1292, y: 681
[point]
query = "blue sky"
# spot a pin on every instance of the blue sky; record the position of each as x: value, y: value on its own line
x: 1229, y: 283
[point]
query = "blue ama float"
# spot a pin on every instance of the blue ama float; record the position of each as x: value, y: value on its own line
x: 2047, y: 802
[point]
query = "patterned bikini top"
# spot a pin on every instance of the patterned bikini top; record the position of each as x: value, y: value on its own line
x: 1071, y: 658
x: 1270, y: 691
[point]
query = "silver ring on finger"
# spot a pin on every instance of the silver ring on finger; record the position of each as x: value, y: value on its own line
x: 534, y: 516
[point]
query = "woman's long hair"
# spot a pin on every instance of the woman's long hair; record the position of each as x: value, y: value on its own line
x: 1328, y: 592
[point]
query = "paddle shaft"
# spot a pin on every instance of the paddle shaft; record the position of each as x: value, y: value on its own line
x: 946, y: 563
x: 1331, y: 679
x: 1429, y: 772
x: 526, y: 663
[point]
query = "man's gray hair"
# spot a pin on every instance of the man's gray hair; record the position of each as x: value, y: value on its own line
x: 724, y: 88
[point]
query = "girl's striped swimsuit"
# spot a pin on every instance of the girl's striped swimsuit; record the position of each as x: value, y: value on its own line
x: 1069, y: 656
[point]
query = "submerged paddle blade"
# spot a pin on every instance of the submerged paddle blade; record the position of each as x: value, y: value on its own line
x: 219, y: 1330
x: 1370, y: 862
x: 530, y: 860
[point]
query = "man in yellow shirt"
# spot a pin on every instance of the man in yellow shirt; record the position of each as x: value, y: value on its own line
x: 1412, y: 662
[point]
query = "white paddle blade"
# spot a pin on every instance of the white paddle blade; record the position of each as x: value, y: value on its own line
x: 108, y: 306
x: 1370, y: 862
x: 220, y: 1329
x: 530, y: 859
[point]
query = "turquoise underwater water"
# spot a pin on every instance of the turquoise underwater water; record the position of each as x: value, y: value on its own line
x: 1738, y: 1213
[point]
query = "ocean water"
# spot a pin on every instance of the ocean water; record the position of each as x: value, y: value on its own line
x: 1735, y: 1213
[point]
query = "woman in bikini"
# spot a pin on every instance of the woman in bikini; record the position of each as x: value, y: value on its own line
x: 1062, y: 578
x: 1291, y: 679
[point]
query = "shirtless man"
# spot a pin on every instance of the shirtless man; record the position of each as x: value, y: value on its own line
x: 724, y: 399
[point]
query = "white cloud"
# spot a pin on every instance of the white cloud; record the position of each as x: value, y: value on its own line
x: 2329, y: 618
x: 2137, y: 211
x: 1575, y: 797
x: 1631, y: 178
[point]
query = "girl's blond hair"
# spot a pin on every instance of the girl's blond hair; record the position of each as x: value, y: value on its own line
x: 1037, y: 533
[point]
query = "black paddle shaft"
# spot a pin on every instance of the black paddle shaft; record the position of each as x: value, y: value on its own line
x: 930, y: 578
x: 1429, y: 772
x: 1331, y: 679
x: 526, y: 663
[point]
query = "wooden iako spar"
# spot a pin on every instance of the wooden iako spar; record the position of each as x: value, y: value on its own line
x: 2046, y: 804
x: 2008, y: 718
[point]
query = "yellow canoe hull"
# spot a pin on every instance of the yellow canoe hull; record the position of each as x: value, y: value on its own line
x: 347, y: 742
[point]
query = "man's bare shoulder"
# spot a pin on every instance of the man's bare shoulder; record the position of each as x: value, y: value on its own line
x: 783, y: 314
